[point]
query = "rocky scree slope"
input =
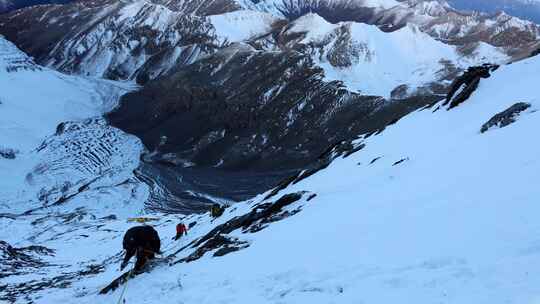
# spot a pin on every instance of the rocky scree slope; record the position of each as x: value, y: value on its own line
x: 223, y: 113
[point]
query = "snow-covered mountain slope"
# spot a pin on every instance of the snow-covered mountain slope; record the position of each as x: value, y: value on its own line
x: 54, y: 145
x: 466, y: 29
x: 439, y: 207
x: 373, y: 62
x: 116, y: 40
x: 434, y: 17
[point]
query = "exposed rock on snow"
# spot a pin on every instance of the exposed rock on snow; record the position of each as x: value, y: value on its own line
x: 82, y: 156
x: 8, y: 153
x: 506, y: 117
x: 257, y: 219
x: 221, y: 245
x: 464, y: 86
x: 18, y: 261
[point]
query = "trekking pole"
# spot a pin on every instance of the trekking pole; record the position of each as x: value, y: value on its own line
x: 125, y: 286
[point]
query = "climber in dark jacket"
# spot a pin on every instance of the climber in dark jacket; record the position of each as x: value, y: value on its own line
x: 216, y: 210
x: 142, y: 241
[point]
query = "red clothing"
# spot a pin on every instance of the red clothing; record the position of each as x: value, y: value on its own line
x: 181, y: 230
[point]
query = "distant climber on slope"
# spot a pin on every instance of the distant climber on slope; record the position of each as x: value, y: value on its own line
x: 142, y: 241
x: 180, y: 231
x: 216, y: 210
x: 468, y: 83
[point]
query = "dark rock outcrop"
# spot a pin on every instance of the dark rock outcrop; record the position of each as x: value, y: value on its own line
x: 222, y: 245
x: 505, y: 117
x: 259, y: 218
x: 400, y: 161
x: 467, y: 83
x: 8, y: 153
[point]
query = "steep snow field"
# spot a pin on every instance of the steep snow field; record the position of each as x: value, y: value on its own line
x: 431, y: 211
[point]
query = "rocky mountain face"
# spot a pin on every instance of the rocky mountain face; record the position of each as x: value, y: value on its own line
x: 435, y: 17
x: 115, y: 40
x: 239, y: 117
x: 269, y: 103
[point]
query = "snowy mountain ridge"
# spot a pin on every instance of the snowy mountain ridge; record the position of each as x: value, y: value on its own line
x: 179, y: 40
x: 365, y: 58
